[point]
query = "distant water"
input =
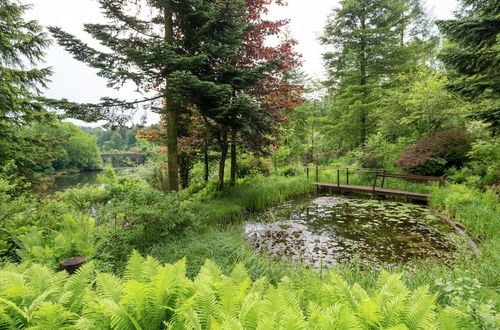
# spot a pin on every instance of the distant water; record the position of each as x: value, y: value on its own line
x: 64, y: 182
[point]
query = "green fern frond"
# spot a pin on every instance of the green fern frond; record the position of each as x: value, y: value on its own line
x: 369, y: 312
x: 109, y: 286
x: 250, y: 310
x: 239, y: 274
x: 52, y: 317
x: 134, y: 270
x: 420, y: 314
x: 120, y: 318
x: 450, y: 318
x: 393, y: 309
x: 76, y: 286
x: 150, y: 268
x: 292, y: 319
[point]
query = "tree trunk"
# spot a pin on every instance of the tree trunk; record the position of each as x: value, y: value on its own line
x: 206, y: 162
x: 171, y: 110
x: 363, y: 81
x: 222, y: 161
x: 233, y: 157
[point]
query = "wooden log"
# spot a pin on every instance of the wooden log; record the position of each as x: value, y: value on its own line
x: 71, y: 265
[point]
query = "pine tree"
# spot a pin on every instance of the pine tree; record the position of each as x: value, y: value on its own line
x: 161, y: 45
x: 371, y: 41
x: 473, y: 57
x: 22, y: 45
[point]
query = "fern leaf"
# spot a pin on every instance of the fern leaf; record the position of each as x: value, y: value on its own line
x: 134, y: 270
x: 109, y: 286
x: 421, y: 314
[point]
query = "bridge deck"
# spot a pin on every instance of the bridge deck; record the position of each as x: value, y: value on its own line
x: 377, y: 191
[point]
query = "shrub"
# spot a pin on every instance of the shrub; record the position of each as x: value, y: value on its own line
x: 433, y: 154
x: 73, y: 237
x: 289, y: 171
x: 151, y: 296
x: 250, y: 164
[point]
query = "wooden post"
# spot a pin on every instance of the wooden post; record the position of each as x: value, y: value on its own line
x: 338, y: 178
x: 374, y: 183
x: 307, y: 173
x: 347, y: 176
x: 383, y: 180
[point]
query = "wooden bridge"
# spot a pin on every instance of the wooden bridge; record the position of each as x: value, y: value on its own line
x: 374, y: 190
x: 139, y: 156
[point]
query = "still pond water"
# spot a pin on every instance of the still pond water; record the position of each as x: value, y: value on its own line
x: 331, y: 230
x: 67, y: 181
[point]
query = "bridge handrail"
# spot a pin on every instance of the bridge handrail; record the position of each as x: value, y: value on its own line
x: 378, y: 172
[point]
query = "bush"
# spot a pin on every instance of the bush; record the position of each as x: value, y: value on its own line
x: 250, y: 164
x: 289, y: 171
x: 432, y: 155
x: 151, y: 296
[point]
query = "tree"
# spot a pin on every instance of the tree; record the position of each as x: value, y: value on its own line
x: 22, y: 44
x: 158, y: 45
x: 368, y: 37
x: 473, y: 57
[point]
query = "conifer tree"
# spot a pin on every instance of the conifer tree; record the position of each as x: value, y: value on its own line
x: 161, y: 45
x: 473, y: 57
x: 22, y: 45
x: 370, y: 39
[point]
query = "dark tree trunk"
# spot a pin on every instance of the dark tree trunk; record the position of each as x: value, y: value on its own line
x: 233, y: 157
x: 185, y: 166
x: 171, y: 111
x: 363, y: 63
x: 223, y: 156
x: 206, y: 173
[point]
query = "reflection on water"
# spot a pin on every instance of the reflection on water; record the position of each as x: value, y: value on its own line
x: 67, y: 181
x: 329, y: 230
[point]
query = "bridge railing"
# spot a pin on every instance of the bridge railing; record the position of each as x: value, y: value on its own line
x: 378, y: 173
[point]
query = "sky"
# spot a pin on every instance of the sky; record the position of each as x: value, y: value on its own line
x: 77, y: 82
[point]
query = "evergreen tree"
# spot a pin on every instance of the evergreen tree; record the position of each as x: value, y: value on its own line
x: 22, y: 44
x: 371, y: 41
x: 161, y: 45
x: 473, y: 56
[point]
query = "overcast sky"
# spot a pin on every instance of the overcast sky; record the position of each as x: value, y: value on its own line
x: 76, y: 82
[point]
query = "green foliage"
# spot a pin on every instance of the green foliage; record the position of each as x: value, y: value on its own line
x: 418, y: 104
x: 433, y: 154
x: 478, y: 211
x: 483, y: 167
x: 22, y: 45
x: 76, y: 149
x: 369, y: 46
x: 472, y: 57
x: 150, y: 296
x: 249, y: 164
x: 73, y: 236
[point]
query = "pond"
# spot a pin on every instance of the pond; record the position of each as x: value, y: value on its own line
x: 66, y: 181
x: 332, y: 230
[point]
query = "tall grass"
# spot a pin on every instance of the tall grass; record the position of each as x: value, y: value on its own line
x: 478, y: 211
x: 248, y: 195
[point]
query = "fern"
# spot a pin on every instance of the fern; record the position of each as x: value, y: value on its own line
x: 152, y: 296
x: 420, y: 313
